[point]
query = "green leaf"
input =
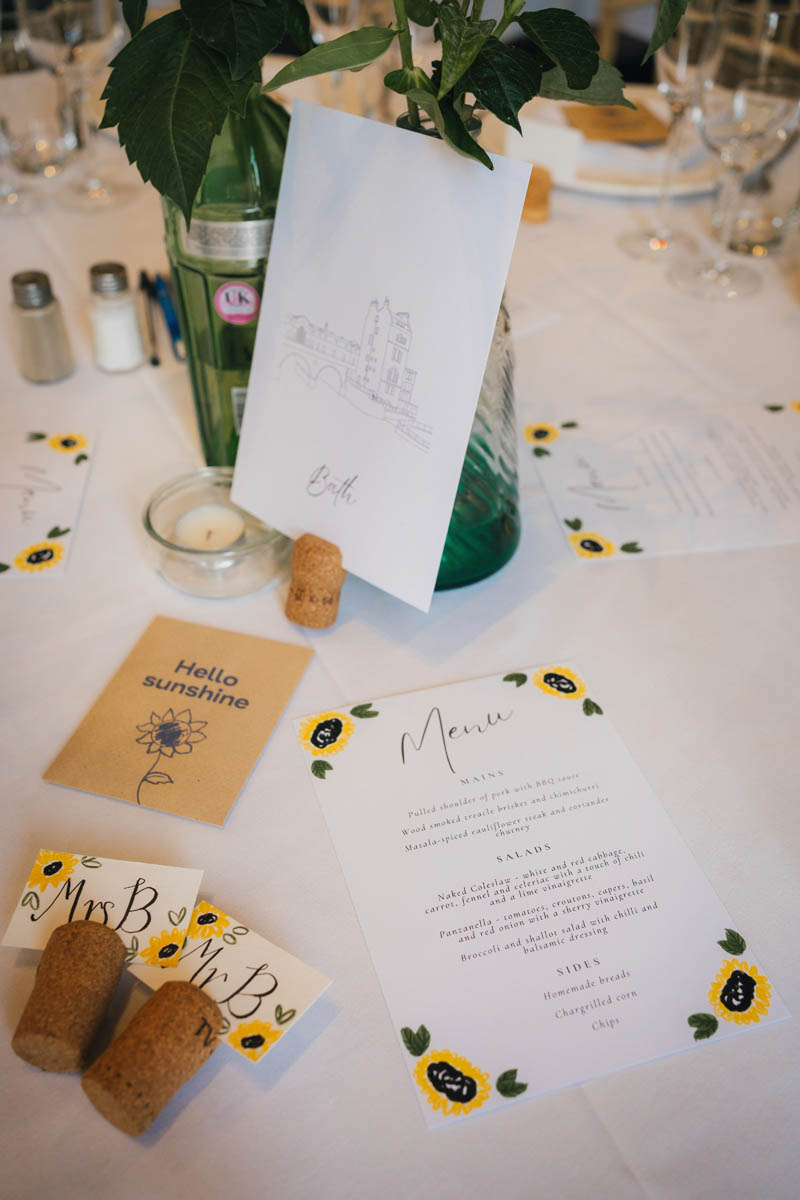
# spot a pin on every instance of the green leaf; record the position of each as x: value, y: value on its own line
x: 703, y: 1024
x: 36, y: 437
x: 350, y: 52
x: 229, y: 939
x: 133, y: 950
x: 4, y: 567
x: 768, y: 407
x: 566, y: 39
x: 516, y: 678
x: 502, y: 79
x: 461, y: 41
x: 282, y: 1015
x: 240, y: 930
x: 422, y: 12
x: 569, y: 424
x: 298, y: 25
x: 88, y: 860
x: 507, y: 1085
x: 406, y: 79
x: 576, y: 523
x: 733, y: 942
x: 31, y: 900
x: 415, y: 1043
x: 605, y: 88
x: 631, y: 548
x: 319, y: 769
x: 175, y: 918
x: 243, y: 30
x: 57, y: 531
x: 450, y: 126
x: 79, y: 458
x: 224, y: 1027
x: 667, y: 18
x: 364, y: 710
x: 134, y: 11
x: 540, y: 452
x: 589, y: 708
x: 169, y: 93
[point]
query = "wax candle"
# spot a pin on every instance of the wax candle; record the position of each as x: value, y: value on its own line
x: 209, y: 527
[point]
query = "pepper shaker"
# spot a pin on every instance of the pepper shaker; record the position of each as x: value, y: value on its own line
x: 42, y: 345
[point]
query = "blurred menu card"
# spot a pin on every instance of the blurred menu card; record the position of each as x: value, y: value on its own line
x: 534, y: 917
x: 628, y: 480
x: 385, y: 275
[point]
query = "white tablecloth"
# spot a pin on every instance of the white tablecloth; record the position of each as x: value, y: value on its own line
x: 697, y: 659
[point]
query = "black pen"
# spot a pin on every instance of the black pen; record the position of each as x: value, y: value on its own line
x: 149, y: 298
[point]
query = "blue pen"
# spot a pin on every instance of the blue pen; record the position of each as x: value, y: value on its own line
x: 170, y: 316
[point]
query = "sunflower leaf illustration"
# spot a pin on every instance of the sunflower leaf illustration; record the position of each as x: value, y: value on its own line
x: 516, y: 677
x: 733, y: 942
x: 703, y: 1024
x: 3, y: 567
x: 36, y: 437
x: 158, y: 777
x: 79, y: 458
x: 631, y: 548
x: 88, y: 860
x: 589, y: 707
x: 240, y: 930
x: 576, y: 523
x: 566, y: 425
x: 508, y: 1086
x: 133, y: 950
x: 57, y: 531
x: 415, y: 1043
x: 320, y: 769
x: 176, y: 918
x: 540, y: 452
x: 229, y: 938
x: 774, y: 407
x: 30, y: 900
x: 364, y: 710
x: 225, y: 1026
x: 283, y: 1015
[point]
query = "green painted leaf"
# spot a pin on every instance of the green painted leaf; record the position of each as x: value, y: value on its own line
x: 79, y: 458
x: 350, y: 52
x: 319, y: 769
x: 605, y: 87
x: 516, y: 677
x: 450, y: 126
x: 133, y: 949
x: 406, y: 79
x: 507, y: 1085
x: 768, y: 407
x: 364, y: 710
x: 569, y: 424
x: 176, y: 918
x: 703, y: 1024
x: 415, y: 1043
x: 169, y: 94
x: 240, y: 930
x: 31, y: 900
x: 283, y: 1015
x: 566, y: 39
x: 667, y: 18
x: 589, y: 708
x: 4, y: 567
x: 224, y: 1027
x: 576, y: 523
x: 298, y: 25
x: 631, y: 548
x: 422, y: 12
x: 540, y: 452
x: 502, y: 79
x: 243, y: 30
x: 229, y: 938
x: 57, y: 531
x: 88, y: 860
x: 461, y: 41
x: 134, y: 12
x: 36, y: 437
x: 733, y: 942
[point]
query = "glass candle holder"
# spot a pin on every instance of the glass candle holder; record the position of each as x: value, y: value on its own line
x: 206, y: 546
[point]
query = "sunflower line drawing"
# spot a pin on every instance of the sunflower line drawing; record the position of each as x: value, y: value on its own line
x: 165, y: 736
x: 450, y: 1083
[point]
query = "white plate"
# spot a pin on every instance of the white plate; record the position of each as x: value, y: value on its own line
x: 594, y: 182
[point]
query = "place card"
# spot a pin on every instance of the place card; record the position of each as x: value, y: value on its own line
x: 261, y: 990
x: 616, y: 122
x: 534, y: 917
x: 625, y: 480
x: 148, y: 905
x: 182, y: 723
x: 375, y: 327
x: 43, y: 474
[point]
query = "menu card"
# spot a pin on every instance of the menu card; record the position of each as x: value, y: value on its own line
x: 385, y: 275
x: 625, y: 480
x: 533, y: 915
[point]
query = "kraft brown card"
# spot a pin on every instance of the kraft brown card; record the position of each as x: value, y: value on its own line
x: 616, y: 123
x: 181, y: 724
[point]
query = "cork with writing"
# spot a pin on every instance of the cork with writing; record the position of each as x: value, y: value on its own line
x: 182, y: 723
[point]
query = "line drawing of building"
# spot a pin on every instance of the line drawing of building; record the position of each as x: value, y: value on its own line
x: 371, y: 374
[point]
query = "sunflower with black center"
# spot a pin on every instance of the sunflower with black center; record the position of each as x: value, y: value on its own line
x: 590, y: 545
x: 67, y: 443
x: 450, y: 1083
x: 164, y: 949
x: 327, y: 733
x: 207, y: 922
x: 174, y: 733
x: 254, y: 1039
x: 740, y: 993
x: 51, y: 868
x: 559, y: 681
x: 39, y: 557
x: 540, y: 434
x: 795, y: 405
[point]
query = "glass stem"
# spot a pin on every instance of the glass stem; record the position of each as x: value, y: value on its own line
x: 76, y: 99
x: 663, y: 227
x: 729, y: 206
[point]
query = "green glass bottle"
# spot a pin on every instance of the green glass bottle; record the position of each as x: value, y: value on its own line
x: 218, y: 267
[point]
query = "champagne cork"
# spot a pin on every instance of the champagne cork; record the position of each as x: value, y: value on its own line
x: 316, y: 583
x: 78, y: 974
x: 169, y: 1039
x: 537, y: 200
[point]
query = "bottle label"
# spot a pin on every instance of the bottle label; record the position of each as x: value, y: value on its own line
x: 237, y: 302
x: 229, y: 240
x: 238, y: 397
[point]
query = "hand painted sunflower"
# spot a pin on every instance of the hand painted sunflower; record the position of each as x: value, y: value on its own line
x: 327, y: 733
x: 51, y: 867
x: 171, y: 734
x: 559, y: 681
x: 450, y: 1083
x: 590, y: 545
x: 254, y: 1039
x: 164, y: 949
x: 540, y: 434
x: 67, y: 443
x: 795, y: 404
x: 39, y: 557
x: 739, y: 993
x: 207, y: 922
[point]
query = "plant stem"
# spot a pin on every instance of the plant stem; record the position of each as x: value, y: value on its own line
x: 511, y: 9
x: 406, y: 55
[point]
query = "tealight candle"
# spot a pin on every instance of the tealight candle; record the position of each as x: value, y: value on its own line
x: 209, y: 527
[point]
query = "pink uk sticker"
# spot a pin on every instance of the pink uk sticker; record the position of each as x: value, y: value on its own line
x: 236, y: 302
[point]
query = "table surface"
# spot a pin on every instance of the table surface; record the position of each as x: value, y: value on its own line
x: 697, y: 659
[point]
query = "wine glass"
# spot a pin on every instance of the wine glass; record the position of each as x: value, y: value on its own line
x: 678, y: 62
x: 747, y: 111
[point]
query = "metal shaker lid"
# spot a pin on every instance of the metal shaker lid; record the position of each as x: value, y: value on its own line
x: 31, y: 289
x: 108, y: 278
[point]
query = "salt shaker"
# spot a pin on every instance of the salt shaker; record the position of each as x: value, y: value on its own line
x: 42, y: 345
x: 116, y: 336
